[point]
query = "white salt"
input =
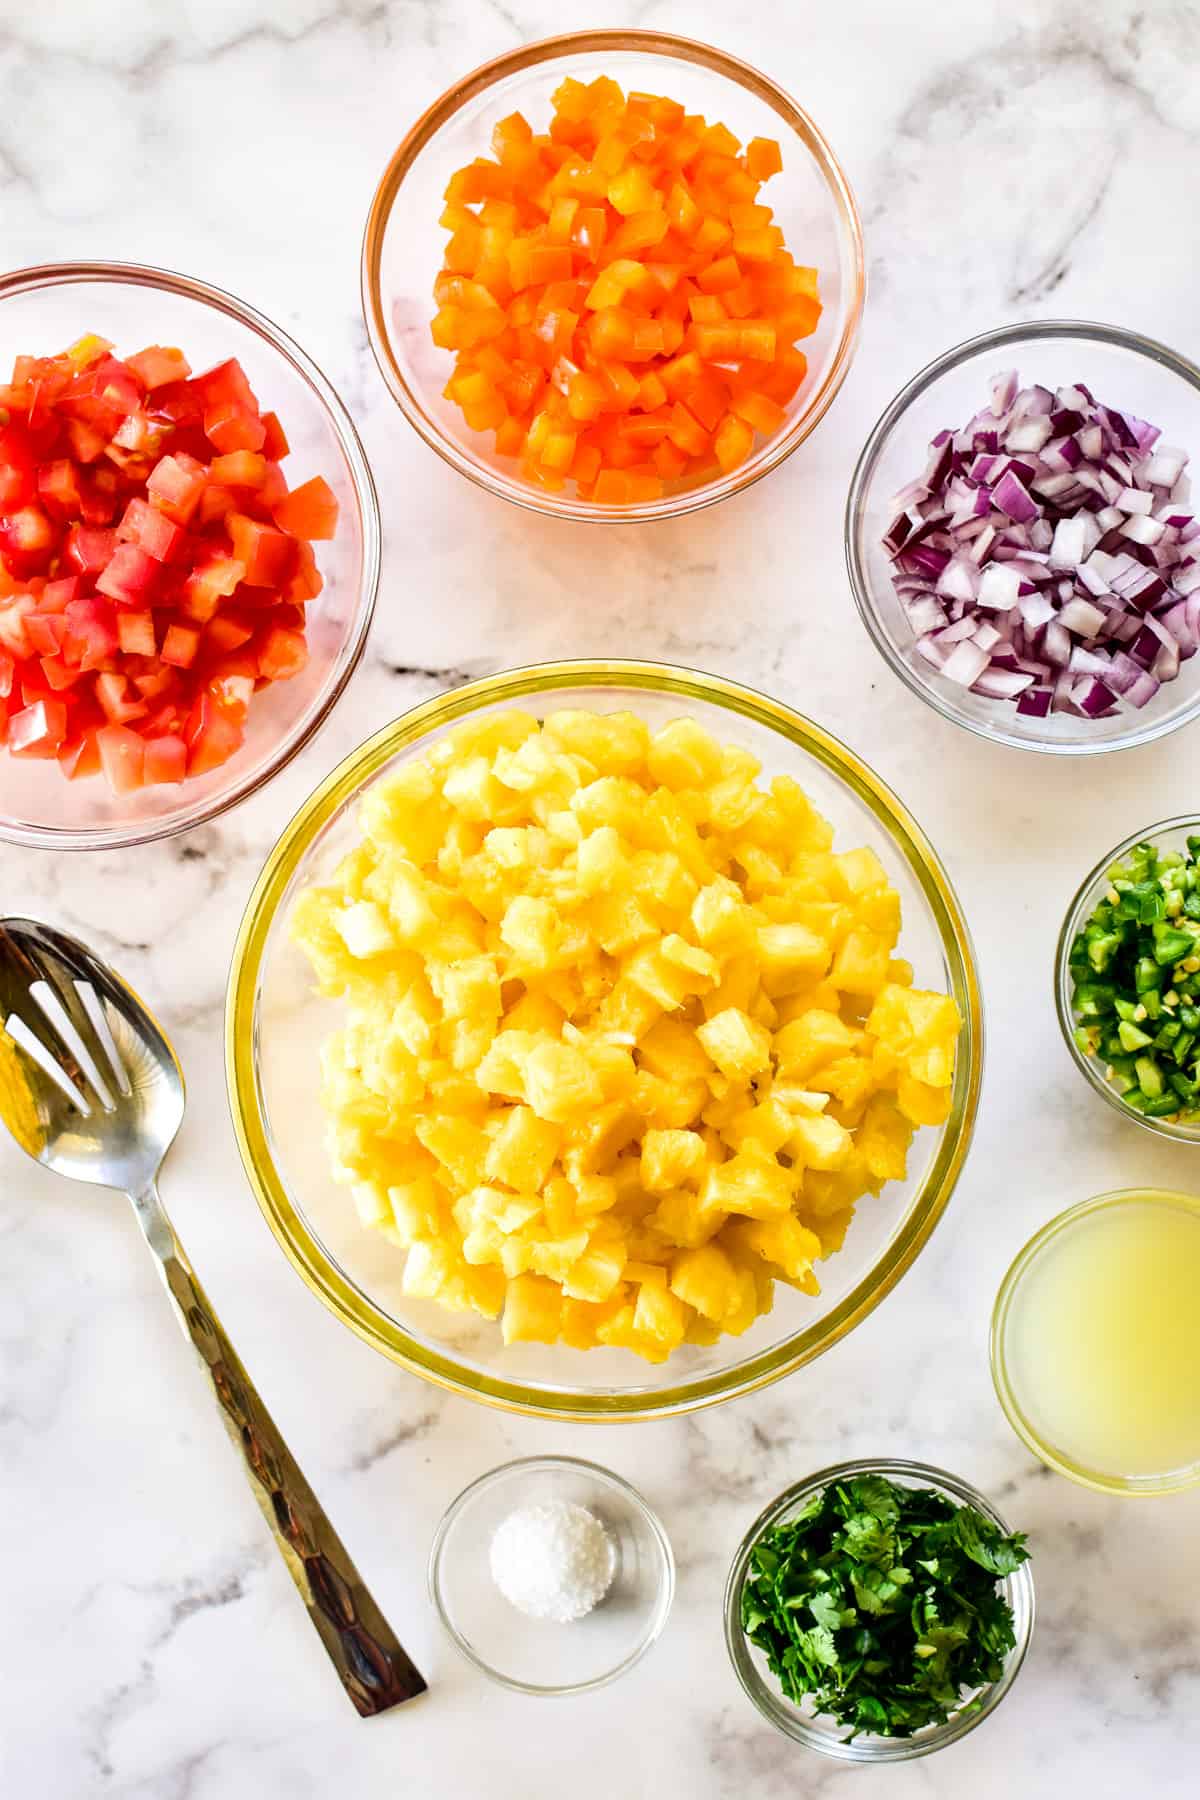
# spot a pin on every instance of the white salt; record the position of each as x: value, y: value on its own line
x: 553, y: 1561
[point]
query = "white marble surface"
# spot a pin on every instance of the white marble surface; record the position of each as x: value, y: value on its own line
x: 1011, y: 159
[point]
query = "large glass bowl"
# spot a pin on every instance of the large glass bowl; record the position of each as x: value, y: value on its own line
x: 42, y: 310
x: 274, y: 1024
x: 1122, y: 369
x: 1171, y: 834
x: 817, y: 1731
x: 402, y: 250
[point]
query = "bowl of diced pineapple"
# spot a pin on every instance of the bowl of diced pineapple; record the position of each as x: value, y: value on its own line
x: 603, y: 1040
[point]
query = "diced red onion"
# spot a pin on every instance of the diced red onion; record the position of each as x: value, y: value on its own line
x: 1082, y: 617
x: 1048, y: 555
x: 965, y: 664
x: 1093, y: 697
x: 999, y: 684
x: 999, y: 586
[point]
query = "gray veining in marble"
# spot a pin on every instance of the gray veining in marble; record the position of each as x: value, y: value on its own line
x: 1034, y: 157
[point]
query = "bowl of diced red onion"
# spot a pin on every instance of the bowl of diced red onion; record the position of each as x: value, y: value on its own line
x: 1021, y: 542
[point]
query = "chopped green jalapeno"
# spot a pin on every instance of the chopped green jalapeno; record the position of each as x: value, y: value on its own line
x: 1135, y: 969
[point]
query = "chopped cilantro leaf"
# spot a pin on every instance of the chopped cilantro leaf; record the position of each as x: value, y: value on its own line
x: 878, y: 1605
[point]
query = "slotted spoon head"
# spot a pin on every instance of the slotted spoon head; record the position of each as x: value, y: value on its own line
x: 88, y: 1083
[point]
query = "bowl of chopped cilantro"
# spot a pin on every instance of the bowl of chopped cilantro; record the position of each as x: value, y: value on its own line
x: 1127, y: 978
x: 879, y: 1610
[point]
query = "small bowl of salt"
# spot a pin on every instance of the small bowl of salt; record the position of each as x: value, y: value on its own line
x: 551, y: 1575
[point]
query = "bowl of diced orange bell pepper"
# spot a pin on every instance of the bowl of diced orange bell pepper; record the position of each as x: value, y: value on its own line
x: 614, y: 275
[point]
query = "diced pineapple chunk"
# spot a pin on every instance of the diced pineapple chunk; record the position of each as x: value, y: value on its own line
x: 532, y: 1310
x: 738, y: 1046
x: 625, y: 1040
x: 523, y: 1152
x: 671, y: 1158
x: 560, y: 1083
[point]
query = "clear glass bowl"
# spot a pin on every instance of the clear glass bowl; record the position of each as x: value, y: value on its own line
x: 1169, y: 835
x: 274, y: 1024
x: 541, y: 1656
x: 402, y: 250
x: 1017, y: 1399
x: 42, y: 310
x: 1119, y: 367
x: 817, y: 1731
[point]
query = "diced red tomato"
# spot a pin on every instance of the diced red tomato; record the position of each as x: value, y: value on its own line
x: 122, y: 757
x: 91, y: 639
x: 157, y: 535
x: 214, y: 731
x: 38, y: 730
x: 180, y: 646
x: 309, y: 511
x: 283, y: 654
x: 154, y: 568
x: 226, y: 384
x: 18, y: 469
x: 228, y: 631
x: 59, y: 675
x: 58, y: 488
x: 130, y: 576
x: 89, y: 550
x: 118, y: 698
x: 275, y: 444
x: 56, y: 595
x: 209, y: 583
x: 240, y: 468
x: 135, y: 633
x: 45, y: 632
x: 80, y: 757
x: 26, y: 540
x: 166, y: 760
x: 176, y: 486
x: 87, y: 444
x: 13, y: 635
x: 157, y: 365
x: 231, y: 428
x: 269, y: 555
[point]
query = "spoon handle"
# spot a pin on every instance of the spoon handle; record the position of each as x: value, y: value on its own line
x: 374, y: 1669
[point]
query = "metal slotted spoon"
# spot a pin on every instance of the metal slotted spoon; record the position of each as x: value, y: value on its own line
x: 90, y: 1087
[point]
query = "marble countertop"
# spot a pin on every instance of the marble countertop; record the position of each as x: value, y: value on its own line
x: 1011, y: 160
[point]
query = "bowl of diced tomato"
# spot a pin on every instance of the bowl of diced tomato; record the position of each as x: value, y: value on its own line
x: 189, y: 553
x: 614, y: 275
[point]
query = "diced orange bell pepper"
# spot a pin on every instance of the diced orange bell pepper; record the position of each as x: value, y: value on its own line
x: 619, y: 302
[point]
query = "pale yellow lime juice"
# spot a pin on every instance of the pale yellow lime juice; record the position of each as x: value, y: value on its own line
x: 1097, y: 1341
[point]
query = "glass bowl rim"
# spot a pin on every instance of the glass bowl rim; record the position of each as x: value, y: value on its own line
x: 604, y: 1478
x: 352, y: 1304
x: 999, y: 338
x: 188, y: 287
x: 872, y: 1750
x: 574, y: 43
x: 1131, y: 1486
x: 1175, y: 1134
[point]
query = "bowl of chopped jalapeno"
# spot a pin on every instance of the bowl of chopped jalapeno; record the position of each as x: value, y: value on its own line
x: 879, y: 1610
x: 1127, y: 978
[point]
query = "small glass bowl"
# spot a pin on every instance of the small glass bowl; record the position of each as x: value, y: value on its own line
x: 541, y: 1656
x: 403, y: 246
x: 1017, y: 1409
x: 1118, y: 366
x: 42, y: 310
x: 1169, y: 835
x: 817, y: 1731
